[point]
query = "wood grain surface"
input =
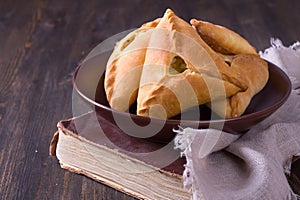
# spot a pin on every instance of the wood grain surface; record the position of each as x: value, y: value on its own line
x: 41, y: 42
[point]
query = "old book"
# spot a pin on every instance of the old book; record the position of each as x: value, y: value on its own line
x: 92, y: 146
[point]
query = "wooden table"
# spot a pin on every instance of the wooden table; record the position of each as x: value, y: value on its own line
x: 41, y: 42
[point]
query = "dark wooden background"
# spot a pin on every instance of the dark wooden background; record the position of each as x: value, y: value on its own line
x: 41, y: 42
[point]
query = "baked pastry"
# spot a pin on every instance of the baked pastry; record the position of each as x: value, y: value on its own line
x: 256, y: 74
x: 181, y: 71
x: 222, y: 39
x: 243, y: 57
x: 124, y: 67
x: 168, y: 66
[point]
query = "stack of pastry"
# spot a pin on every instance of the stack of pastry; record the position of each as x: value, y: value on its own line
x: 168, y: 66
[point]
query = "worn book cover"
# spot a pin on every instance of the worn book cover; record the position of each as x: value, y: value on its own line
x: 92, y: 146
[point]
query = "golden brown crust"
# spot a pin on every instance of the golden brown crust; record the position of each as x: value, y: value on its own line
x: 163, y: 95
x: 124, y: 67
x: 168, y: 66
x: 182, y: 92
x: 255, y: 72
x: 222, y: 39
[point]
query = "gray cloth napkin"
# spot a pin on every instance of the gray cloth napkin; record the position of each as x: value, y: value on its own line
x: 253, y: 165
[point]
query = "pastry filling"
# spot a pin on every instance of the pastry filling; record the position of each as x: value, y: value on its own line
x: 228, y: 63
x: 177, y: 65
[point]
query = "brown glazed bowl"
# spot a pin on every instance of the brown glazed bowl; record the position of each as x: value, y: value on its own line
x: 266, y: 102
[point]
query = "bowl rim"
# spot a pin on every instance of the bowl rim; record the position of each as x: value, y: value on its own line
x: 248, y: 116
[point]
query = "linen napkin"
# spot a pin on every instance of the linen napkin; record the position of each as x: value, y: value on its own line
x: 253, y: 165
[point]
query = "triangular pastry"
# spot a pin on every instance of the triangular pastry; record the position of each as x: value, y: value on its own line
x: 124, y: 67
x: 168, y: 66
x: 222, y: 39
x: 255, y: 72
x: 181, y: 71
x: 243, y: 57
